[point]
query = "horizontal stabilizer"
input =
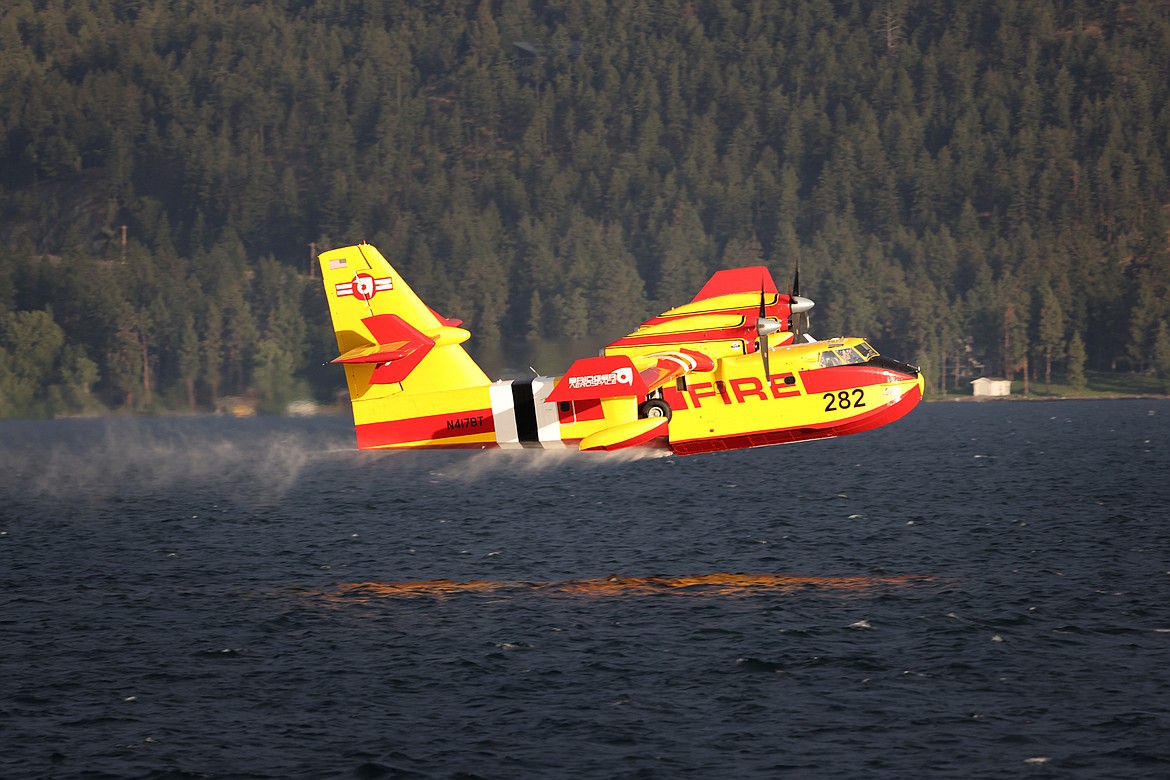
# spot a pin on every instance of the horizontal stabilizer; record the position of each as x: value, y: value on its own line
x: 386, y: 328
x: 399, y: 348
x: 629, y: 434
x: 451, y: 321
x: 378, y: 353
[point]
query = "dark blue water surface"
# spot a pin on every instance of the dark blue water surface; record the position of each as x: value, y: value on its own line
x: 979, y: 590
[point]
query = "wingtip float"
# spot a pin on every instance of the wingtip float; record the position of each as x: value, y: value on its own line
x: 727, y: 370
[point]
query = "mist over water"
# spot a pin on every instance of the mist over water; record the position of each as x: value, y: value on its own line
x: 96, y: 459
x: 978, y: 590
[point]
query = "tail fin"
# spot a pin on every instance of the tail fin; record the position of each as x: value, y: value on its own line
x: 390, y: 341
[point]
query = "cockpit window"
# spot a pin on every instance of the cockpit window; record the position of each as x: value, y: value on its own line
x: 866, y: 350
x: 849, y: 356
x: 846, y: 356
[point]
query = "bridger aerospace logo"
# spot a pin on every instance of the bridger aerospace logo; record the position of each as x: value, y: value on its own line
x: 622, y: 376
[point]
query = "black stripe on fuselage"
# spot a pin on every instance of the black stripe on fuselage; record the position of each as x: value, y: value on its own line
x: 525, y: 408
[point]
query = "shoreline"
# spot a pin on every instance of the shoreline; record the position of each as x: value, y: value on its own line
x: 1020, y: 397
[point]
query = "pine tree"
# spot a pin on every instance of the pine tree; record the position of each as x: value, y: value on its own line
x: 189, y: 359
x: 1162, y: 355
x: 1050, y: 330
x: 1076, y: 361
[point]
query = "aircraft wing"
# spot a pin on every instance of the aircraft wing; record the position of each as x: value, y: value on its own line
x: 661, y: 368
x: 735, y: 313
x: 728, y: 300
x: 753, y: 279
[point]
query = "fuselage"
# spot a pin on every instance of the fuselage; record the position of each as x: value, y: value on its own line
x: 813, y: 391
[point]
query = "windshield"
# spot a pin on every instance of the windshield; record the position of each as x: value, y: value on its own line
x: 846, y: 356
x: 866, y: 350
x: 850, y: 356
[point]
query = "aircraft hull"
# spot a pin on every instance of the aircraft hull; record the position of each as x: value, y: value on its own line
x: 858, y: 423
x: 706, y: 418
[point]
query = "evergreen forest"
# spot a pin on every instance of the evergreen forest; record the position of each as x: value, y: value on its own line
x: 978, y: 186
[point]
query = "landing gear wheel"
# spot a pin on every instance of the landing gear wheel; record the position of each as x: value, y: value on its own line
x: 654, y: 408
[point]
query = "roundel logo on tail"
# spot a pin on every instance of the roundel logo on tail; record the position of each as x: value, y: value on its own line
x: 363, y: 286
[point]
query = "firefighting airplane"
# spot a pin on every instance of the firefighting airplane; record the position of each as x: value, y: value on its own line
x: 722, y: 372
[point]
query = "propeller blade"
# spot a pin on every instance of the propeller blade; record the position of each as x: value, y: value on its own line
x: 765, y: 326
x: 793, y: 291
x: 799, y: 306
x: 763, y: 333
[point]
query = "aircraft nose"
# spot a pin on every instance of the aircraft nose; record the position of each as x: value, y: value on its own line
x: 890, y: 364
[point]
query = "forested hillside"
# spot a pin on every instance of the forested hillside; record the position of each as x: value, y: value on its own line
x: 976, y: 186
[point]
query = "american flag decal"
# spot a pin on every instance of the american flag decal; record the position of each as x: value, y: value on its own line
x: 364, y: 286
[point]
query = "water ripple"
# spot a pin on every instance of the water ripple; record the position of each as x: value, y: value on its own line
x: 977, y: 591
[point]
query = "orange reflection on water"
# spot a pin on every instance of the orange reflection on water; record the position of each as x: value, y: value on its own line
x: 700, y: 584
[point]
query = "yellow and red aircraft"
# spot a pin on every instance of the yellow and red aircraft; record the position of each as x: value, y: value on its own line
x: 722, y: 372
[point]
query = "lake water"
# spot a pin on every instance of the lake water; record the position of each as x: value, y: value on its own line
x: 979, y: 590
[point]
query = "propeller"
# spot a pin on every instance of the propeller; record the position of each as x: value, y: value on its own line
x: 799, y: 305
x: 764, y: 326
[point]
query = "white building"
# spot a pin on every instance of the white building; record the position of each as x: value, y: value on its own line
x: 986, y: 386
